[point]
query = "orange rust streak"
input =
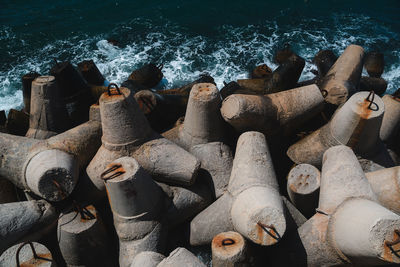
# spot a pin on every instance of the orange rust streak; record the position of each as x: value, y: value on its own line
x: 365, y: 112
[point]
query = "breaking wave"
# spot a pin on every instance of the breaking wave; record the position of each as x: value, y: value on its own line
x: 227, y: 55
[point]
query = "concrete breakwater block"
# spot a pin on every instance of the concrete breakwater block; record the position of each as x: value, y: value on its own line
x: 137, y: 204
x: 49, y: 168
x: 203, y: 134
x: 356, y: 124
x: 27, y: 254
x: 252, y: 204
x: 219, y: 188
x: 126, y: 132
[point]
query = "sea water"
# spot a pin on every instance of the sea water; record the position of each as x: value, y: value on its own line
x: 224, y: 39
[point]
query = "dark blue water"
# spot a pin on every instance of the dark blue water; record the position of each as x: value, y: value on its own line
x: 225, y: 39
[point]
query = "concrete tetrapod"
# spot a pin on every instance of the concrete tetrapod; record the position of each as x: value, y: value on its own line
x: 137, y: 205
x: 48, y: 114
x: 27, y: 254
x: 252, y: 204
x: 386, y: 185
x: 126, y: 132
x: 147, y: 259
x: 374, y: 63
x: 202, y: 133
x: 350, y: 227
x: 27, y: 80
x: 74, y: 91
x: 391, y: 119
x: 355, y: 124
x: 185, y: 202
x: 181, y: 257
x: 82, y: 238
x: 271, y: 113
x: 342, y: 79
x: 49, y: 168
x: 229, y: 249
x: 303, y: 188
x: 324, y: 60
x: 27, y: 220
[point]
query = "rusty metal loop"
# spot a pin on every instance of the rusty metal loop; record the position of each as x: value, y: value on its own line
x: 110, y: 170
x: 396, y: 241
x: 82, y: 211
x: 116, y: 88
x: 372, y: 101
x: 324, y: 93
x: 228, y: 242
x: 35, y: 255
x: 266, y: 227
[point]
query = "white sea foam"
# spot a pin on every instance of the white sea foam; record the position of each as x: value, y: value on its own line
x: 226, y: 57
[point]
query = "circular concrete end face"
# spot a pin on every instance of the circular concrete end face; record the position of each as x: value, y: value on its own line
x: 26, y: 256
x: 52, y: 174
x: 304, y: 179
x: 231, y: 107
x: 228, y: 246
x: 257, y: 213
x: 204, y: 92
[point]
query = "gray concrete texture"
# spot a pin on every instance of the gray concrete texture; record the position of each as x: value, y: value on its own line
x: 343, y: 77
x: 202, y: 134
x: 49, y: 168
x: 252, y: 205
x: 27, y: 257
x: 303, y: 184
x: 282, y: 111
x: 137, y: 204
x: 48, y: 114
x: 355, y: 124
x: 229, y: 249
x: 351, y: 227
x: 126, y: 132
x: 82, y: 238
x: 181, y: 257
x: 26, y: 220
x: 147, y: 259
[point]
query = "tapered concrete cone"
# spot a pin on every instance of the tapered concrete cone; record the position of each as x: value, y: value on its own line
x: 203, y: 123
x: 252, y: 205
x: 136, y: 202
x: 27, y: 220
x: 82, y: 238
x: 147, y: 259
x: 27, y: 254
x: 391, y: 119
x: 386, y: 185
x: 270, y: 113
x: 303, y: 188
x: 342, y: 178
x: 49, y: 166
x: 131, y: 190
x: 126, y: 132
x: 365, y: 233
x: 48, y: 115
x: 342, y: 79
x: 229, y: 249
x: 181, y: 257
x: 356, y: 124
